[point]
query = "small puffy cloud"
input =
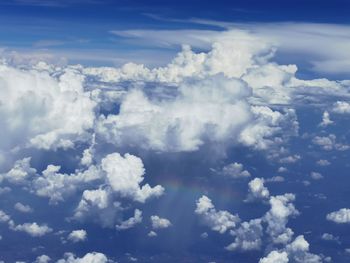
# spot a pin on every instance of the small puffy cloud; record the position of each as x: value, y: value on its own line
x: 4, y: 217
x: 277, y: 218
x: 125, y: 174
x: 341, y: 107
x: 247, y: 236
x: 23, y: 208
x: 316, y: 176
x: 329, y: 143
x: 282, y: 169
x: 42, y: 259
x: 257, y: 190
x: 323, y: 162
x: 326, y: 119
x: 290, y: 159
x: 20, y: 172
x: 152, y: 234
x: 93, y: 257
x: 341, y: 216
x: 275, y: 257
x: 158, y: 222
x: 298, y: 251
x: 77, y: 235
x: 131, y: 222
x: 330, y: 237
x: 275, y: 179
x: 32, y: 229
x: 219, y: 221
x: 235, y: 170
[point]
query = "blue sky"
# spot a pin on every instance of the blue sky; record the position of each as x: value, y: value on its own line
x: 187, y: 131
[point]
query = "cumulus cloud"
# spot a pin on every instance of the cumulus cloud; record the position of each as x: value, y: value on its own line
x: 42, y: 259
x: 341, y: 107
x: 326, y: 120
x: 235, y: 170
x: 257, y: 190
x: 43, y: 111
x: 219, y: 221
x: 23, y: 208
x: 93, y: 257
x: 77, y: 235
x: 329, y: 143
x: 275, y: 257
x: 247, y: 236
x: 125, y: 174
x: 341, y: 216
x: 277, y: 218
x: 158, y: 222
x: 131, y: 222
x: 32, y: 229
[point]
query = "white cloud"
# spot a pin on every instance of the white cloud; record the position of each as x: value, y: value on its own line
x: 4, y: 217
x: 329, y: 143
x: 275, y: 257
x: 32, y: 229
x: 316, y: 176
x: 131, y: 222
x: 158, y: 222
x: 152, y: 234
x: 340, y: 217
x: 23, y: 208
x: 277, y: 218
x: 219, y: 221
x: 247, y: 236
x: 125, y: 174
x: 235, y: 170
x: 42, y: 111
x: 77, y: 235
x: 326, y: 119
x: 330, y: 237
x: 341, y: 107
x: 323, y: 162
x: 93, y: 257
x: 257, y: 190
x: 42, y: 259
x: 20, y: 172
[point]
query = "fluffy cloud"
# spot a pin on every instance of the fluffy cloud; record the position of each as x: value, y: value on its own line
x: 275, y: 257
x: 340, y: 217
x: 247, y: 236
x: 42, y: 259
x: 43, y: 111
x: 326, y: 119
x: 23, y: 208
x: 131, y: 222
x: 257, y: 190
x: 235, y: 170
x: 93, y: 257
x: 158, y: 222
x: 219, y: 221
x: 32, y: 229
x: 20, y: 172
x: 125, y: 174
x: 329, y: 143
x: 341, y: 107
x: 77, y: 235
x: 277, y: 218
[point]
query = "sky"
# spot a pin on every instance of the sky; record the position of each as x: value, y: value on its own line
x: 163, y: 131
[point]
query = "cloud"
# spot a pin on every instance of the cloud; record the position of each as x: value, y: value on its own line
x: 158, y: 222
x: 42, y: 259
x: 125, y: 174
x: 341, y: 107
x: 219, y: 221
x: 247, y: 236
x: 77, y: 235
x: 235, y: 170
x: 92, y: 257
x: 42, y: 111
x: 326, y: 119
x: 277, y: 218
x: 257, y: 190
x: 329, y: 143
x: 32, y: 229
x: 23, y: 208
x: 132, y: 221
x: 275, y: 257
x: 341, y: 216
